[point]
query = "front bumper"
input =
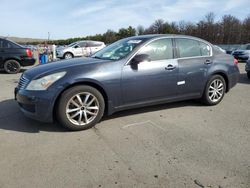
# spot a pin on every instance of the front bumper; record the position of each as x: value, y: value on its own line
x: 37, y: 105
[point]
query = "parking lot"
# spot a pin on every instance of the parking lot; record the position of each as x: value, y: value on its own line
x: 184, y: 144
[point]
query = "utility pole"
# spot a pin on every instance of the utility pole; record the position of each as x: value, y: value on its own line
x: 48, y: 36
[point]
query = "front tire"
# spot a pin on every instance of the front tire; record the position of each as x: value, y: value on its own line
x: 80, y: 108
x: 12, y: 66
x: 68, y: 55
x: 214, y: 91
x: 248, y: 74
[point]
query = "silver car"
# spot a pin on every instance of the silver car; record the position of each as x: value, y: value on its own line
x: 80, y: 48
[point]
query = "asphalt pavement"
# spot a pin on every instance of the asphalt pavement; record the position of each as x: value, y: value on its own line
x: 183, y: 144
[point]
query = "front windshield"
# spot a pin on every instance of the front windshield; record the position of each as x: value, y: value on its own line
x: 119, y: 49
x: 72, y: 44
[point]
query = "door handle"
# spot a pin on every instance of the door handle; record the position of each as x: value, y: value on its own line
x: 208, y: 62
x: 170, y: 67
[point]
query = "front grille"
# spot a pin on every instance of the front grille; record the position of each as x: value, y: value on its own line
x: 23, y: 82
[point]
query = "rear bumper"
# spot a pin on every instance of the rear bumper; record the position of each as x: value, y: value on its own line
x: 241, y: 57
x: 35, y: 105
x: 233, y: 78
x: 27, y: 61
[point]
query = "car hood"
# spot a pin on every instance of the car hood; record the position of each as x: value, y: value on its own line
x: 61, y: 65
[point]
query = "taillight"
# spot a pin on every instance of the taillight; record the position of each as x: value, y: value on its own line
x: 29, y: 53
x: 236, y: 61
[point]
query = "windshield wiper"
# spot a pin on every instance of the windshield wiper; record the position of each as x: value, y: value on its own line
x: 96, y: 57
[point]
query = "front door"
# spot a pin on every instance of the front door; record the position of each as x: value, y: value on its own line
x: 151, y: 80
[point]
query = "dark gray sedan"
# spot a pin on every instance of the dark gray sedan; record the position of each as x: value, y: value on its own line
x: 133, y: 72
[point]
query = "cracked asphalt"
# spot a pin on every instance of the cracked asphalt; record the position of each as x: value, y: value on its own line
x: 182, y: 144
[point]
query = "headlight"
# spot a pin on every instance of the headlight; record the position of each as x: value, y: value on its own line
x: 44, y: 82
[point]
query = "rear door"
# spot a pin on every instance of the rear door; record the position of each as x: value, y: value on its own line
x: 94, y: 46
x: 194, y: 60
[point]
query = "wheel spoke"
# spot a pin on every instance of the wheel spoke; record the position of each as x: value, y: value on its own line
x: 80, y: 118
x: 72, y: 110
x: 91, y: 113
x: 86, y: 98
x: 92, y: 100
x: 76, y: 114
x: 79, y: 99
x: 74, y: 103
x: 92, y: 108
x: 85, y: 116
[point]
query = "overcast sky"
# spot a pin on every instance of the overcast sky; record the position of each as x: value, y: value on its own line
x: 77, y: 18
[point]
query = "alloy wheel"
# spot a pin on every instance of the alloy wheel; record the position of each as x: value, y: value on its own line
x: 82, y: 108
x: 68, y: 56
x: 216, y: 90
x: 12, y: 67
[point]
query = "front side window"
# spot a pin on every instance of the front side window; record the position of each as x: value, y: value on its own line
x: 82, y: 44
x: 158, y: 50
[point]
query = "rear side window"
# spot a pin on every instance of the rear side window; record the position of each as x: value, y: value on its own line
x: 158, y: 50
x: 94, y: 44
x: 205, y: 49
x: 192, y: 48
x: 188, y: 47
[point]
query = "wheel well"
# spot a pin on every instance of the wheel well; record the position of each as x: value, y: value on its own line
x: 96, y: 86
x: 225, y: 78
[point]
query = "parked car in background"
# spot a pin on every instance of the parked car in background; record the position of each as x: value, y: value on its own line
x: 80, y: 48
x: 243, y: 53
x: 247, y: 68
x: 14, y: 56
x: 130, y: 73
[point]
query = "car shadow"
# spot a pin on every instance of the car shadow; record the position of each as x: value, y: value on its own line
x: 243, y: 79
x: 21, y: 71
x: 12, y: 119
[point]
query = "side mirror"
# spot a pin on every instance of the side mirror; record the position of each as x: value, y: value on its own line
x: 140, y: 58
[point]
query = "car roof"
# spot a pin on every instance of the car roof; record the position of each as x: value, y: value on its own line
x: 155, y: 36
x: 89, y: 41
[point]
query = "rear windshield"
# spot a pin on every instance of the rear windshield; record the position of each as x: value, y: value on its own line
x: 9, y: 44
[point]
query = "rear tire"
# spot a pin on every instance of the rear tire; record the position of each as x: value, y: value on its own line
x: 214, y: 91
x: 12, y: 66
x: 248, y: 74
x: 80, y: 108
